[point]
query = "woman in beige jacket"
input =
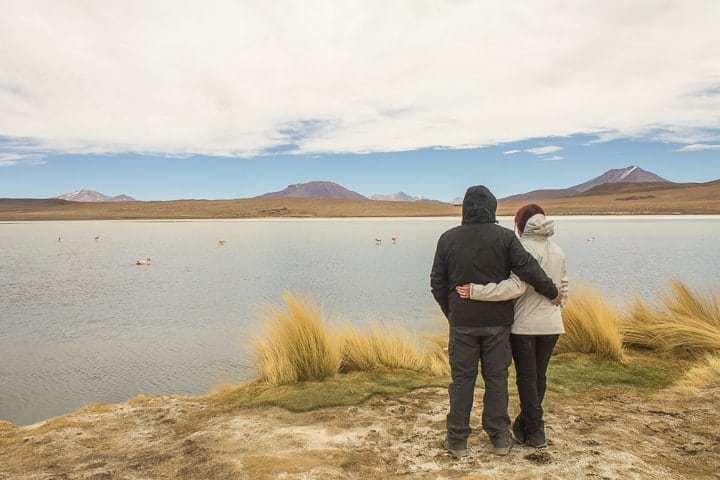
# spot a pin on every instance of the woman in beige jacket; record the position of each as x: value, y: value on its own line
x: 538, y: 322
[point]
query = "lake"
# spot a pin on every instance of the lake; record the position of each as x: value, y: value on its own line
x: 81, y: 323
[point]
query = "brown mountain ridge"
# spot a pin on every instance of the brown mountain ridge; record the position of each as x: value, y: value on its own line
x: 652, y: 195
x: 647, y: 198
x: 608, y: 199
x: 316, y: 189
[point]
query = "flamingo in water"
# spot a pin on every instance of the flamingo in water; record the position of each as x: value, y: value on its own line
x: 141, y: 261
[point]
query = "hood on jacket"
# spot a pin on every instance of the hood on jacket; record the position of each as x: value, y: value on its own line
x: 539, y: 226
x: 479, y: 205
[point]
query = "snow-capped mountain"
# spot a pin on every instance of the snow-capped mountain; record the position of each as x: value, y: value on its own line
x: 84, y: 195
x: 632, y: 174
x: 396, y: 197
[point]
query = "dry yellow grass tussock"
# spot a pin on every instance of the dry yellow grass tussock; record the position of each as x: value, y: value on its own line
x: 637, y: 326
x: 379, y: 349
x: 436, y: 356
x: 687, y: 325
x: 591, y: 326
x: 703, y: 375
x: 391, y: 348
x: 297, y: 346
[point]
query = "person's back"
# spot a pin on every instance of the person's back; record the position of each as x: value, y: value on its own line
x: 481, y: 251
x: 534, y: 315
x: 473, y: 251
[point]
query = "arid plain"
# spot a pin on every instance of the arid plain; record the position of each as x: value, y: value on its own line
x: 608, y: 199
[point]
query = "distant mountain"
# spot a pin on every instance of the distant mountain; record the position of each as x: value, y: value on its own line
x: 609, y: 180
x: 621, y: 198
x: 632, y: 174
x: 315, y: 190
x: 396, y: 197
x: 624, y: 187
x: 93, y: 196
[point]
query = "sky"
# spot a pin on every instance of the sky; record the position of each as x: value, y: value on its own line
x: 164, y: 100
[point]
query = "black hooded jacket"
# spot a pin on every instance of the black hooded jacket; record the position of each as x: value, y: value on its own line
x: 481, y: 251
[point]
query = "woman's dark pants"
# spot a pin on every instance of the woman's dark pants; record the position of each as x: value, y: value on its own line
x: 531, y: 354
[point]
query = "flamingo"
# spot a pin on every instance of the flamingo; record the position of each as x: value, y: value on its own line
x: 141, y: 261
x: 221, y: 242
x: 394, y: 239
x: 378, y: 240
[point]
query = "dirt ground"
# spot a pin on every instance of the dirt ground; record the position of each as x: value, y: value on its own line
x: 622, y: 436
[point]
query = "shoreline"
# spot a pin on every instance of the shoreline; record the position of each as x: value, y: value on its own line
x: 507, y: 217
x: 700, y: 200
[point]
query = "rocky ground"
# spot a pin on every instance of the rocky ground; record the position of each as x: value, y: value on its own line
x: 622, y: 436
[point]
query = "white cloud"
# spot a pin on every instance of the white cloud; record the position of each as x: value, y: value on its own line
x: 512, y: 152
x: 10, y: 159
x: 544, y: 150
x: 243, y: 77
x: 696, y: 147
x: 554, y: 159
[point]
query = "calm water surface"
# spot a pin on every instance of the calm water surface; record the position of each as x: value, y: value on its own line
x: 81, y: 323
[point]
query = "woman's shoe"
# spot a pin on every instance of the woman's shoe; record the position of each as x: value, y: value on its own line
x: 518, y: 430
x: 536, y: 439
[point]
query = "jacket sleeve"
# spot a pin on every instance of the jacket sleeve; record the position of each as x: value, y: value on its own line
x: 529, y: 270
x: 508, y: 289
x: 564, y: 288
x: 439, y: 281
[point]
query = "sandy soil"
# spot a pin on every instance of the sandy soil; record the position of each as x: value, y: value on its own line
x: 622, y: 436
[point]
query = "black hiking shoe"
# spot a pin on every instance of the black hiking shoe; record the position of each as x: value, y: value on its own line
x: 518, y: 430
x: 458, y: 451
x: 502, y: 448
x: 501, y: 444
x: 536, y: 439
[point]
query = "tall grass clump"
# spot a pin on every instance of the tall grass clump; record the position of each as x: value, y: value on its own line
x: 297, y: 345
x: 437, y: 360
x: 687, y: 325
x: 391, y: 348
x: 700, y: 376
x: 591, y: 326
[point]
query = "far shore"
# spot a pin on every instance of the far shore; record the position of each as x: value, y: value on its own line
x: 691, y: 203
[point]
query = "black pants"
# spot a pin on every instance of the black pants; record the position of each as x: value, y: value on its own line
x: 531, y: 354
x: 491, y: 347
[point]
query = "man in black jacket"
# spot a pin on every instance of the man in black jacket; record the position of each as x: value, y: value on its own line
x: 480, y: 251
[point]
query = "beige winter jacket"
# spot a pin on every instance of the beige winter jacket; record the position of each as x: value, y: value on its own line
x: 534, y: 313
